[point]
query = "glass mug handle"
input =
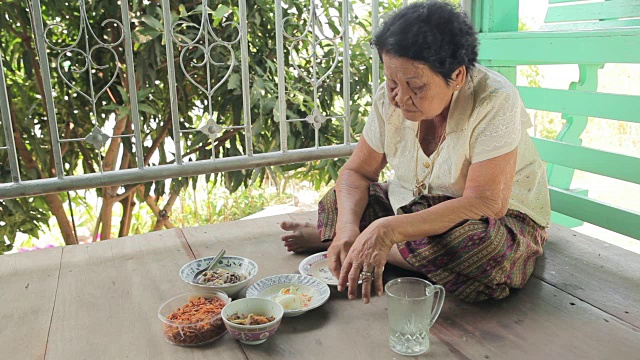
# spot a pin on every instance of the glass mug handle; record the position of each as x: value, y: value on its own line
x: 436, y: 310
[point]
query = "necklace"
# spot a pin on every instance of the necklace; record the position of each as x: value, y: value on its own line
x: 421, y: 186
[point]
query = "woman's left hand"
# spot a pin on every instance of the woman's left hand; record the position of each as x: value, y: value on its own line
x: 367, y: 256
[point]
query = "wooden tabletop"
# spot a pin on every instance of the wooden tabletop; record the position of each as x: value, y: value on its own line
x: 100, y: 301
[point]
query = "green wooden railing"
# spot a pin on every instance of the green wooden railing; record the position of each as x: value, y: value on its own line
x: 609, y: 37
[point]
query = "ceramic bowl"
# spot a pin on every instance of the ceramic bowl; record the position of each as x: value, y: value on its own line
x: 269, y: 288
x: 195, y: 333
x: 237, y: 264
x: 253, y: 334
x: 317, y: 266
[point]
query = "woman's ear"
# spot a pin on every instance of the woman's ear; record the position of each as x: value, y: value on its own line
x: 459, y: 77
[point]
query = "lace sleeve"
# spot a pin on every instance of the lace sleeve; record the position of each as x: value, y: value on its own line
x: 374, y: 129
x: 499, y: 126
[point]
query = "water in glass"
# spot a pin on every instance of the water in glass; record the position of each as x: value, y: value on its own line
x: 411, y: 314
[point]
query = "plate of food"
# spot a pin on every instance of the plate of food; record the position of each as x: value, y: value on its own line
x: 296, y: 293
x: 317, y: 266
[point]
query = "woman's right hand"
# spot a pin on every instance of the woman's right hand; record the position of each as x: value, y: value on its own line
x: 352, y: 196
x: 339, y: 248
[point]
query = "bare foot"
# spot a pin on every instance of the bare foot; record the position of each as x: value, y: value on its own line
x: 303, y: 237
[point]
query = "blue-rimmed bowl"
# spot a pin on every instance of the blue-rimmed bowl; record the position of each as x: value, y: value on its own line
x: 236, y: 264
x: 269, y: 288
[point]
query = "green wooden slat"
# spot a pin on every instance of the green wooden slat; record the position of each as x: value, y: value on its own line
x: 563, y: 1
x: 618, y: 166
x: 613, y: 9
x: 591, y: 25
x: 476, y: 15
x: 601, y: 105
x: 560, y: 47
x: 500, y: 15
x: 564, y: 220
x: 625, y: 222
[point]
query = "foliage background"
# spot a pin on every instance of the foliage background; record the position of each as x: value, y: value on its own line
x: 120, y: 211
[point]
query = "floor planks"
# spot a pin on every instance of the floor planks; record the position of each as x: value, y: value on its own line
x: 101, y: 301
x: 28, y: 283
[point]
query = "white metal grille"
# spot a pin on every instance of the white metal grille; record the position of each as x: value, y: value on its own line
x: 87, y: 45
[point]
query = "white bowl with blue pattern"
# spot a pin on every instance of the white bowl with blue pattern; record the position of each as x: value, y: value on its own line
x: 269, y: 288
x: 238, y: 264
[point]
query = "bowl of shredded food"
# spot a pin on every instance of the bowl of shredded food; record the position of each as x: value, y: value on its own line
x: 194, y: 319
x: 252, y: 320
x: 231, y: 274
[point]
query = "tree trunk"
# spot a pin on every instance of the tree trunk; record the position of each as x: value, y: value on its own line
x: 55, y: 204
x: 126, y: 201
x: 110, y: 192
x: 127, y: 209
x: 53, y: 200
x: 105, y: 215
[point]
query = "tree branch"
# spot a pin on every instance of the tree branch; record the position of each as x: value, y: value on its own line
x: 125, y: 221
x: 219, y: 142
x: 169, y: 205
x: 157, y: 141
x: 67, y: 131
x: 150, y: 201
x: 86, y: 157
x: 128, y: 192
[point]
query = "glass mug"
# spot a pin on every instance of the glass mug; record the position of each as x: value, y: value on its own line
x: 411, y: 313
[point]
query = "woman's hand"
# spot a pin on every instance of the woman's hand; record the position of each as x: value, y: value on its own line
x: 339, y: 248
x: 369, y: 255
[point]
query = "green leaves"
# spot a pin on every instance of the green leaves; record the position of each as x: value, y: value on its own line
x: 234, y: 81
x: 27, y: 216
x: 74, y: 112
x: 153, y: 22
x: 147, y: 109
x: 219, y: 13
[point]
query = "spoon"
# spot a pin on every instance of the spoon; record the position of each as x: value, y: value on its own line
x: 211, y: 266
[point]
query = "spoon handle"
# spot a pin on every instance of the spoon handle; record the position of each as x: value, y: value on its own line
x: 215, y: 261
x: 212, y: 264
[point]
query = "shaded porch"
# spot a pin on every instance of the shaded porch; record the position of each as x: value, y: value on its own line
x: 101, y: 300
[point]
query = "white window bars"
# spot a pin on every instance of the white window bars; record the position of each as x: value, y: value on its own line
x: 315, y: 33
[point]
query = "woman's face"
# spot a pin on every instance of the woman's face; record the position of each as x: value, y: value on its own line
x: 417, y: 90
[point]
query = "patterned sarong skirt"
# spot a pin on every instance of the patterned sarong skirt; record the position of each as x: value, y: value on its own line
x: 475, y: 260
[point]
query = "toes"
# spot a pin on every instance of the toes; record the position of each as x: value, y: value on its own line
x: 289, y: 237
x: 289, y: 225
x: 292, y: 248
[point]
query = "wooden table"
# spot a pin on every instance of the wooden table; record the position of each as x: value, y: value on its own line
x: 100, y: 301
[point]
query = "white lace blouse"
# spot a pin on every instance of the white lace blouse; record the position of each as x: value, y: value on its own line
x: 487, y: 119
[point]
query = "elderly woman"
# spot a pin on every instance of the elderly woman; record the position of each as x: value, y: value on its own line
x: 468, y: 205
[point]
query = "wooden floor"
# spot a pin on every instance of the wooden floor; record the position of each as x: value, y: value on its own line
x: 100, y: 301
